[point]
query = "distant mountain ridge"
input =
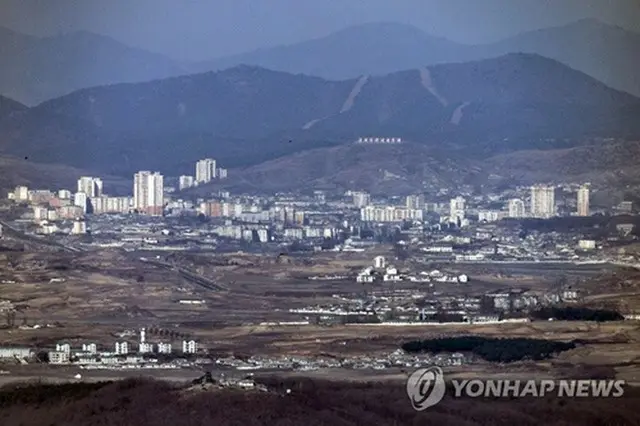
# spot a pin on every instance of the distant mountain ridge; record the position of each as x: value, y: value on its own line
x: 608, y: 53
x: 374, y: 48
x: 9, y: 106
x: 35, y: 69
x: 40, y: 69
x: 246, y: 115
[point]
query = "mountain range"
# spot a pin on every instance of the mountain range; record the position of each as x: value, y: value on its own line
x: 9, y: 106
x: 608, y: 53
x: 35, y: 69
x: 246, y: 115
x: 39, y: 69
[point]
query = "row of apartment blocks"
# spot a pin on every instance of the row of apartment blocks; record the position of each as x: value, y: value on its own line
x: 284, y: 214
x: 148, y: 193
x: 206, y: 171
x: 542, y: 205
x: 63, y: 351
x: 148, y: 187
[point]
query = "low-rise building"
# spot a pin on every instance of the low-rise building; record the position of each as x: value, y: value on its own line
x: 189, y: 347
x: 59, y: 357
x: 122, y: 348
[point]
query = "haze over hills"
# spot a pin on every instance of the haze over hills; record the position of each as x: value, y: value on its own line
x: 9, y: 106
x: 608, y: 53
x: 37, y: 69
x: 246, y: 115
x: 375, y: 48
x: 40, y: 69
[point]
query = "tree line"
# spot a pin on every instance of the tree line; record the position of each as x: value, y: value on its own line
x: 491, y: 349
x: 570, y: 313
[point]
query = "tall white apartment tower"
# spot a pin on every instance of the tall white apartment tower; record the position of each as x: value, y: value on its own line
x: 80, y: 199
x: 415, y: 202
x: 543, y: 201
x: 583, y: 200
x: 516, y: 208
x: 90, y: 186
x: 148, y: 193
x: 456, y: 210
x: 205, y: 170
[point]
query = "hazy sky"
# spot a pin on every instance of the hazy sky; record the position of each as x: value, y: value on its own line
x: 203, y: 29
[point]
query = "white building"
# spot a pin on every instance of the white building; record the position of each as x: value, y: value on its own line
x: 15, y: 352
x: 80, y: 199
x: 583, y: 200
x: 365, y: 276
x: 90, y: 186
x: 164, y: 348
x: 90, y: 348
x: 21, y: 193
x: 587, y: 244
x: 389, y: 214
x: 189, y: 347
x: 57, y: 357
x: 516, y: 208
x: 122, y: 348
x: 39, y: 213
x: 379, y: 262
x: 222, y: 173
x: 106, y: 204
x: 490, y: 215
x: 415, y: 202
x: 457, y: 210
x: 63, y: 347
x: 148, y: 193
x: 64, y: 194
x: 379, y: 140
x: 185, y: 182
x: 79, y: 227
x: 205, y: 170
x: 263, y: 235
x: 543, y: 202
x: 145, y: 348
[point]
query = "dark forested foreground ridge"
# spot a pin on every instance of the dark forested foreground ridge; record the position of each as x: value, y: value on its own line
x: 310, y: 403
x: 492, y: 349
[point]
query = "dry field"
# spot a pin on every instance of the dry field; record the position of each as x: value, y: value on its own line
x: 104, y: 292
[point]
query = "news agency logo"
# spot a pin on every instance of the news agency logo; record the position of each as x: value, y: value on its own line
x: 426, y: 387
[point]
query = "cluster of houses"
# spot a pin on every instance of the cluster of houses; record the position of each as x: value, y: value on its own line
x: 389, y: 273
x: 398, y: 358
